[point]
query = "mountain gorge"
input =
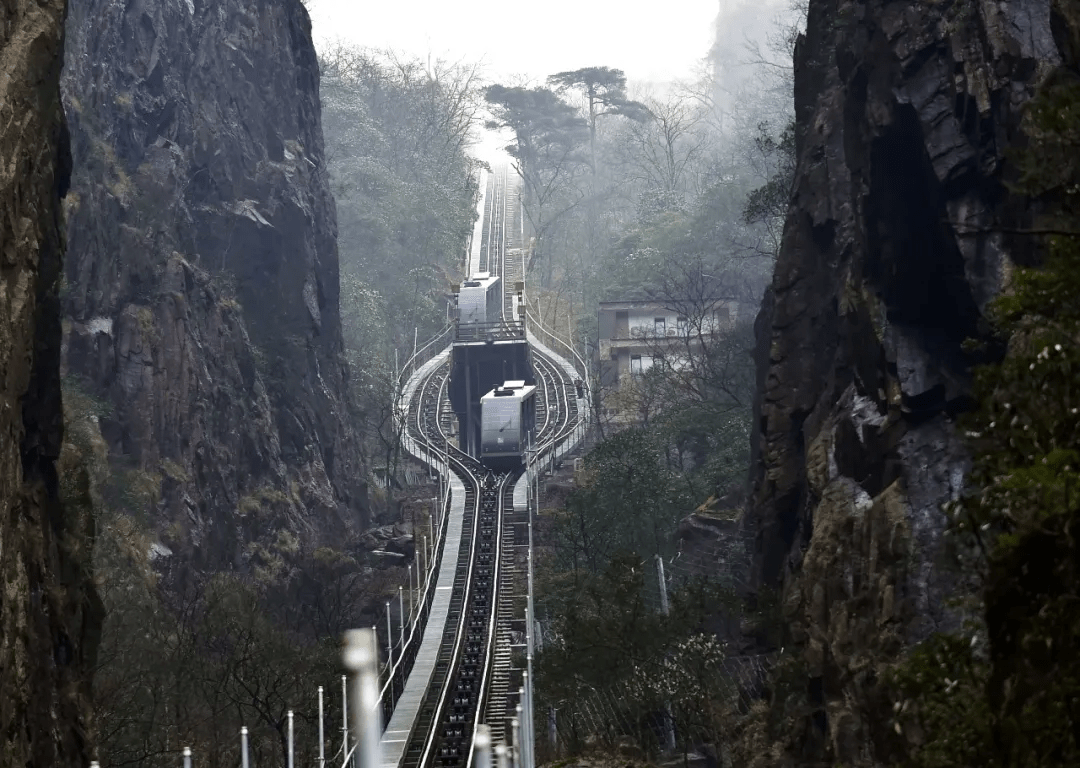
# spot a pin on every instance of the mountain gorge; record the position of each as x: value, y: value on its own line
x: 194, y: 394
x: 201, y: 284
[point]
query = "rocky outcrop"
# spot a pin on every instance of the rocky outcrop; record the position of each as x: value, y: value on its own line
x: 202, y: 282
x: 895, y: 242
x: 48, y: 608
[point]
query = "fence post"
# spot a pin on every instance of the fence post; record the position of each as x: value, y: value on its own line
x: 664, y: 609
x: 514, y: 749
x: 427, y: 560
x: 187, y: 757
x: 291, y: 742
x: 500, y: 756
x: 389, y: 640
x: 344, y: 716
x: 401, y: 619
x: 526, y: 730
x: 322, y: 738
x: 361, y: 658
x: 243, y: 747
x: 482, y: 747
x: 519, y: 735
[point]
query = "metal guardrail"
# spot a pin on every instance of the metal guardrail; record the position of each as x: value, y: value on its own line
x: 499, y: 331
x: 431, y: 347
x: 397, y: 668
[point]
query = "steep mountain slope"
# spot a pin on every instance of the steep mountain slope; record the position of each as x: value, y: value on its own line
x: 49, y: 613
x: 896, y: 240
x: 202, y: 284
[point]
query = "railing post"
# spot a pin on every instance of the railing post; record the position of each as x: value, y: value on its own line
x: 427, y: 560
x: 401, y: 620
x: 515, y: 749
x: 243, y: 747
x: 344, y: 716
x: 523, y: 731
x: 361, y: 659
x: 482, y: 747
x: 291, y: 742
x: 322, y: 738
x: 500, y: 756
x: 527, y: 739
x: 187, y: 757
x: 389, y: 640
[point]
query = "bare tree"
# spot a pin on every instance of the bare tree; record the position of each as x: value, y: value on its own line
x: 708, y: 358
x: 658, y: 153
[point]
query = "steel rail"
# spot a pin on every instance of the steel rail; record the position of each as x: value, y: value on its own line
x: 493, y: 611
x: 461, y: 630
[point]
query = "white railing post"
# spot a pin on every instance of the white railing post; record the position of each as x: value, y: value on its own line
x: 515, y: 750
x: 389, y: 640
x: 411, y: 567
x: 322, y: 737
x: 427, y: 560
x: 500, y: 756
x: 291, y: 742
x: 244, y: 747
x: 361, y: 658
x: 344, y: 715
x: 521, y: 735
x: 401, y: 621
x: 482, y: 747
x: 187, y: 757
x: 526, y: 722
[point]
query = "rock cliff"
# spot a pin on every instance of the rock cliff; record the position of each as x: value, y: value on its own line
x: 49, y: 613
x: 201, y: 295
x: 895, y: 241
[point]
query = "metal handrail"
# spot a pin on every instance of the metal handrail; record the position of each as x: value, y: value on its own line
x: 422, y: 609
x: 496, y: 331
x: 538, y: 326
x: 422, y: 351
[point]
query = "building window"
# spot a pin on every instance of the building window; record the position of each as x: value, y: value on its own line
x: 683, y: 326
x: 658, y: 326
x: 635, y: 365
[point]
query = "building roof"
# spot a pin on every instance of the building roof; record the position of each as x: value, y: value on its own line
x: 649, y: 304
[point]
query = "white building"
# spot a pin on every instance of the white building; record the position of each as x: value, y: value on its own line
x: 633, y: 333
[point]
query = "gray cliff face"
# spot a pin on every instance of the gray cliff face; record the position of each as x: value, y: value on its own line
x: 49, y: 613
x: 202, y: 281
x: 904, y: 112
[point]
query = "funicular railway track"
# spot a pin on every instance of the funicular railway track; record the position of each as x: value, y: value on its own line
x: 472, y: 674
x: 445, y: 724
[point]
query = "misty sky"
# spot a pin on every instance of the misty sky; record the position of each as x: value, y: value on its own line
x: 650, y: 41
